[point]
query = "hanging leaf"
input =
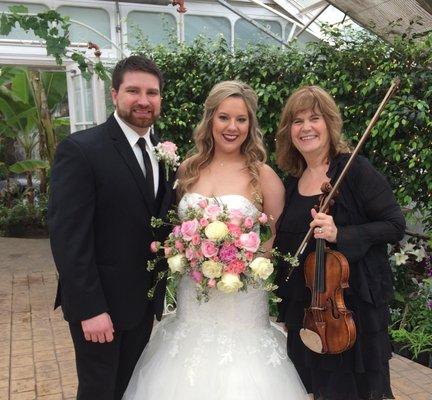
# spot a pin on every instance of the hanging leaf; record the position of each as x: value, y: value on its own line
x: 28, y: 166
x: 18, y: 9
x: 20, y: 86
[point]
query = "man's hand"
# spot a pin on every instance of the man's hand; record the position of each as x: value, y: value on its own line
x: 98, y: 329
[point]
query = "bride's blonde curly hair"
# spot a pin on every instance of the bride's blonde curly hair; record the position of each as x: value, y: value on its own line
x: 203, y: 151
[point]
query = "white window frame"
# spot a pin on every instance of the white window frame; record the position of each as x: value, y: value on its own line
x: 98, y: 100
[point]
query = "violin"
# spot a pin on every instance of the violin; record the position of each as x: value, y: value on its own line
x: 328, y: 326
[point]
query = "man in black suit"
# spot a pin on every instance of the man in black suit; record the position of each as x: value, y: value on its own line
x: 106, y: 184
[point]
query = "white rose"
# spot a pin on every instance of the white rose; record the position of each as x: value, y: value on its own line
x: 401, y: 258
x: 229, y: 283
x: 419, y: 254
x: 216, y: 230
x: 211, y: 269
x: 261, y: 267
x: 177, y: 263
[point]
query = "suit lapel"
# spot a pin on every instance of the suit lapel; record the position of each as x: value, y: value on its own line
x: 123, y: 147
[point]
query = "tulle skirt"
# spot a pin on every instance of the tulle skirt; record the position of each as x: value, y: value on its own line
x: 203, y: 360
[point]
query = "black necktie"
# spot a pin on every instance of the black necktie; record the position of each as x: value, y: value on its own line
x: 148, y: 166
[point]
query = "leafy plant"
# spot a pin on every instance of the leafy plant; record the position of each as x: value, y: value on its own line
x: 412, y: 307
x: 24, y: 218
x: 417, y: 341
x: 53, y: 28
x: 28, y: 101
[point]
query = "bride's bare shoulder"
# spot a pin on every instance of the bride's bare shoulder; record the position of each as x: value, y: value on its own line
x: 269, y: 179
x: 267, y: 172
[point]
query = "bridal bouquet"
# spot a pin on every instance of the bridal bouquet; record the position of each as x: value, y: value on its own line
x: 218, y: 248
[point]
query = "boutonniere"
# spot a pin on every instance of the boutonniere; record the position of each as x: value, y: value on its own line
x: 167, y: 152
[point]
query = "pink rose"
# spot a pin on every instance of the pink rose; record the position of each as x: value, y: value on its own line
x: 250, y: 241
x: 235, y: 230
x: 228, y: 253
x: 179, y: 246
x: 189, y: 228
x: 249, y: 256
x: 190, y: 254
x: 167, y: 251
x: 155, y: 246
x: 263, y: 218
x: 238, y: 243
x: 196, y: 239
x: 203, y: 203
x: 212, y: 211
x: 236, y: 267
x: 177, y: 230
x: 211, y: 283
x: 208, y: 248
x: 248, y: 222
x: 169, y: 147
x: 197, y: 276
x: 193, y: 263
x: 203, y: 221
x: 236, y: 217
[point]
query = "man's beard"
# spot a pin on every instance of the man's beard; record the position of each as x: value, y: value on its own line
x: 130, y: 119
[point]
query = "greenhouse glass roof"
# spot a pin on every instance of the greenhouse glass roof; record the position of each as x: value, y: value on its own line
x: 386, y: 18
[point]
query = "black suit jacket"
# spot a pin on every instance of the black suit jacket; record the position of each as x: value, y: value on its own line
x: 99, y: 220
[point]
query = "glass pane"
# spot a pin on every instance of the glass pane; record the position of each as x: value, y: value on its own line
x: 245, y: 33
x: 305, y: 38
x: 77, y: 98
x: 18, y: 33
x: 88, y: 100
x: 156, y: 27
x: 211, y: 27
x: 94, y: 17
x: 307, y: 3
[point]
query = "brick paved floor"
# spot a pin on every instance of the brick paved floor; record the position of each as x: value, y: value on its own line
x: 36, y: 353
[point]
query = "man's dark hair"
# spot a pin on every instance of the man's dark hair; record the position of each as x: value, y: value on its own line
x: 135, y: 63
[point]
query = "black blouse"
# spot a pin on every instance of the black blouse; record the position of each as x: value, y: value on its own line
x: 367, y: 217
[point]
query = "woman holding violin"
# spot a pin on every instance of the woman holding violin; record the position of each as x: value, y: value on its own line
x: 362, y: 220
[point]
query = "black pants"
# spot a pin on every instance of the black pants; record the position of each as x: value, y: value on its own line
x: 104, y: 369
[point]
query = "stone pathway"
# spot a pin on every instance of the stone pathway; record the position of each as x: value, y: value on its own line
x: 36, y: 352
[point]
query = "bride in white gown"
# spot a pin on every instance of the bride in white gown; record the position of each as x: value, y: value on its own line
x: 226, y: 348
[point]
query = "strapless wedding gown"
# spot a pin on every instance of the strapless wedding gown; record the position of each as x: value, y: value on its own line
x: 223, y: 349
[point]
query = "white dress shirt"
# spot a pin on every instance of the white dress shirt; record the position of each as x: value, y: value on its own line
x: 132, y: 137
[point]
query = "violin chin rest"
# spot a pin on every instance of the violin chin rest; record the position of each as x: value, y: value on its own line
x: 311, y: 340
